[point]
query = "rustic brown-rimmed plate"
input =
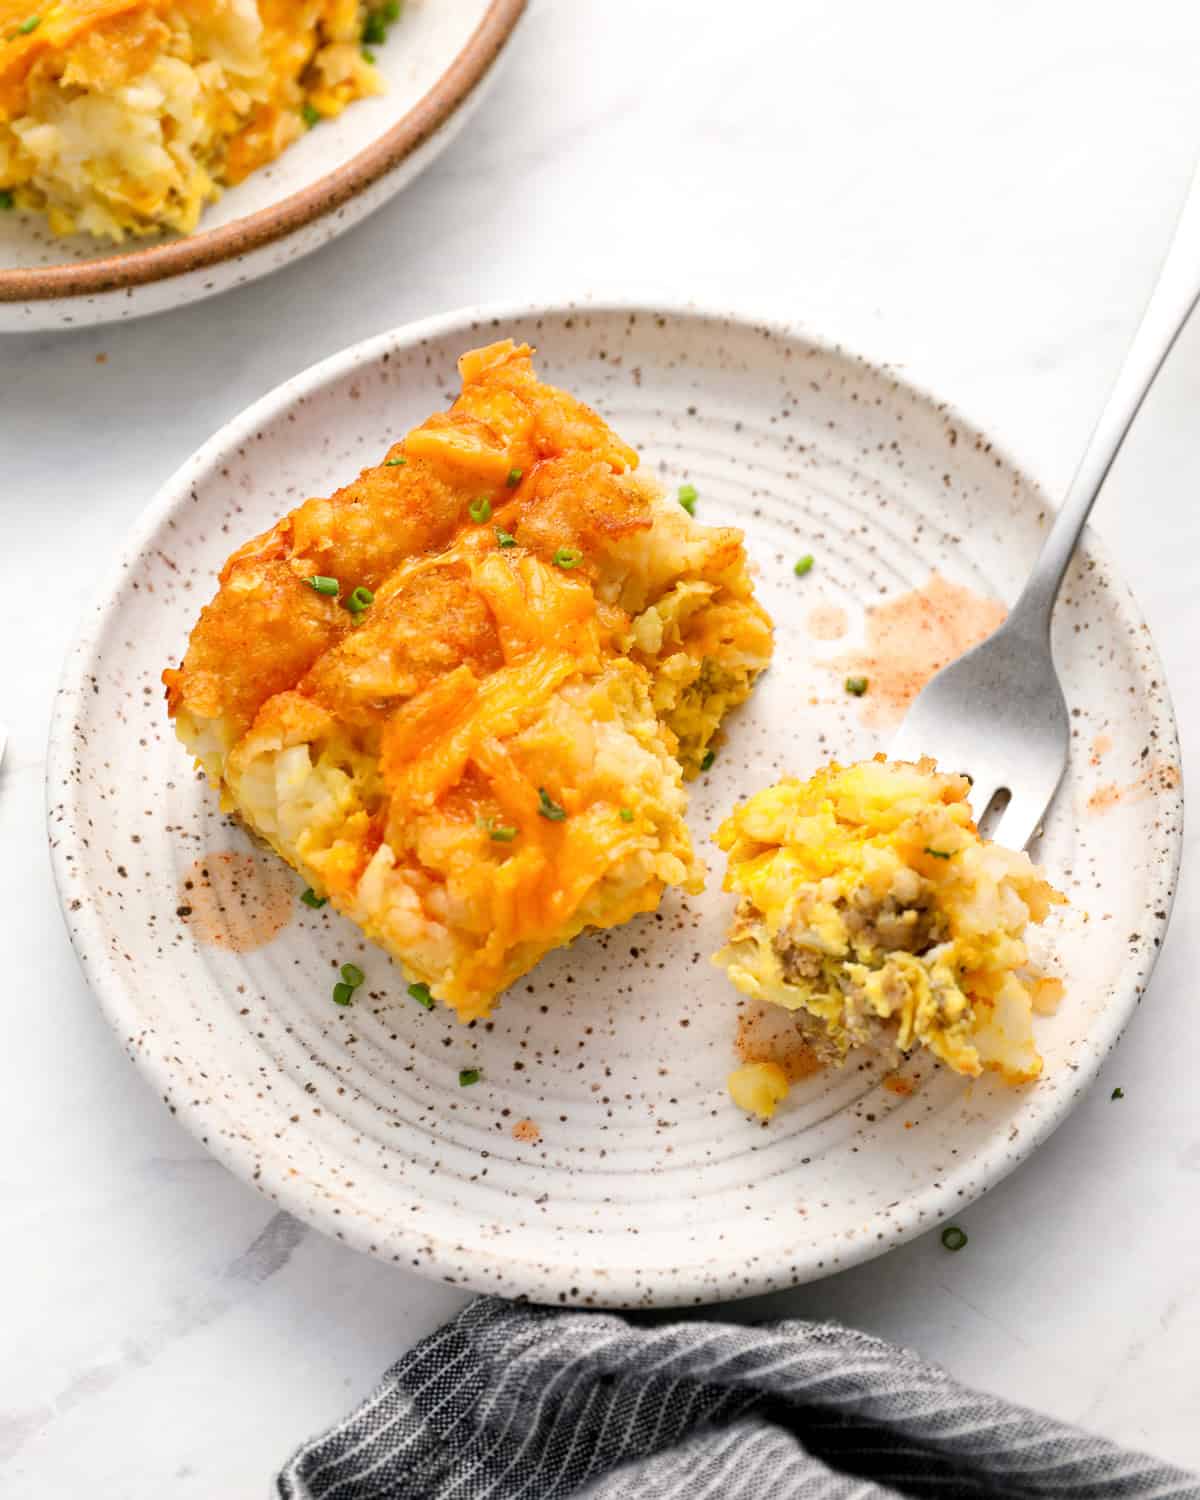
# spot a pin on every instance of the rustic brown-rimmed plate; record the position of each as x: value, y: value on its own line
x: 437, y: 63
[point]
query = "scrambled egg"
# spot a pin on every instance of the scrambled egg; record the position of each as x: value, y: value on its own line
x: 870, y: 906
x: 122, y: 117
x: 460, y: 695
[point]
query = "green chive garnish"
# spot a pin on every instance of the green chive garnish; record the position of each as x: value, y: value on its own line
x: 1117, y: 1094
x: 376, y: 26
x: 322, y: 585
x: 627, y: 815
x: 803, y: 565
x: 688, y: 495
x: 709, y: 757
x: 480, y: 510
x: 359, y: 600
x: 498, y: 832
x: 940, y: 853
x: 7, y: 201
x: 394, y: 463
x: 953, y: 1237
x: 505, y: 538
x: 568, y: 557
x: 31, y: 24
x: 353, y: 975
x: 310, y: 898
x: 420, y: 993
x: 343, y: 994
x: 310, y: 115
x: 549, y: 808
x: 368, y: 55
x: 514, y: 478
x: 468, y: 1076
x: 856, y: 685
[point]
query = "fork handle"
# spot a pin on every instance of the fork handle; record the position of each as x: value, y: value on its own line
x: 1174, y: 296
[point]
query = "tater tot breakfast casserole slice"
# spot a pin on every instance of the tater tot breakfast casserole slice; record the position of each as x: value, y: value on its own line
x: 461, y: 695
x: 870, y: 907
x: 127, y: 117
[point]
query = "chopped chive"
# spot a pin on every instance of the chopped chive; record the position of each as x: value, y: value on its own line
x: 368, y: 55
x: 353, y: 975
x: 343, y: 994
x: 310, y: 115
x: 500, y: 833
x: 549, y: 808
x: 627, y: 814
x: 856, y: 685
x: 310, y: 898
x: 480, y: 510
x: 375, y: 28
x: 940, y: 853
x: 394, y: 463
x: 1117, y: 1094
x: 7, y: 201
x: 709, y: 757
x: 688, y: 495
x: 420, y: 993
x: 514, y: 478
x: 505, y: 538
x: 322, y: 585
x: 568, y: 557
x: 31, y: 23
x: 468, y: 1076
x: 953, y: 1237
x: 359, y: 600
x: 803, y: 565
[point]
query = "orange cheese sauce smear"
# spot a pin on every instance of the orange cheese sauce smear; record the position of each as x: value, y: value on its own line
x: 527, y: 1132
x: 911, y: 637
x: 1160, y: 777
x: 238, y: 902
x: 827, y: 622
x: 1101, y: 745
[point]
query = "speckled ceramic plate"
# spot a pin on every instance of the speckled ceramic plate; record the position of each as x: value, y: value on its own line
x: 599, y: 1160
x: 437, y: 63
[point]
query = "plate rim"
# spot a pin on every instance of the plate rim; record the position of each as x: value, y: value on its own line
x: 209, y: 247
x: 477, y: 1266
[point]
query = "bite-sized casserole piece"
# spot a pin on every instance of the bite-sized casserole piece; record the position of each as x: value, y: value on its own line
x: 870, y: 907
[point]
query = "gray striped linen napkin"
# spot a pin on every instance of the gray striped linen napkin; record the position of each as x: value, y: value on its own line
x: 515, y: 1402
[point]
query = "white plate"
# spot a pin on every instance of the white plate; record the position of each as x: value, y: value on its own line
x: 646, y: 1186
x: 437, y: 62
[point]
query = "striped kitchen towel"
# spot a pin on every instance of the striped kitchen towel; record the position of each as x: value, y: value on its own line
x: 514, y: 1402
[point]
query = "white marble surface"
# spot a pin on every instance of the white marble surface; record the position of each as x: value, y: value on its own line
x: 977, y: 194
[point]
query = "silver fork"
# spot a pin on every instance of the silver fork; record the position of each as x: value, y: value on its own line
x: 998, y: 713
